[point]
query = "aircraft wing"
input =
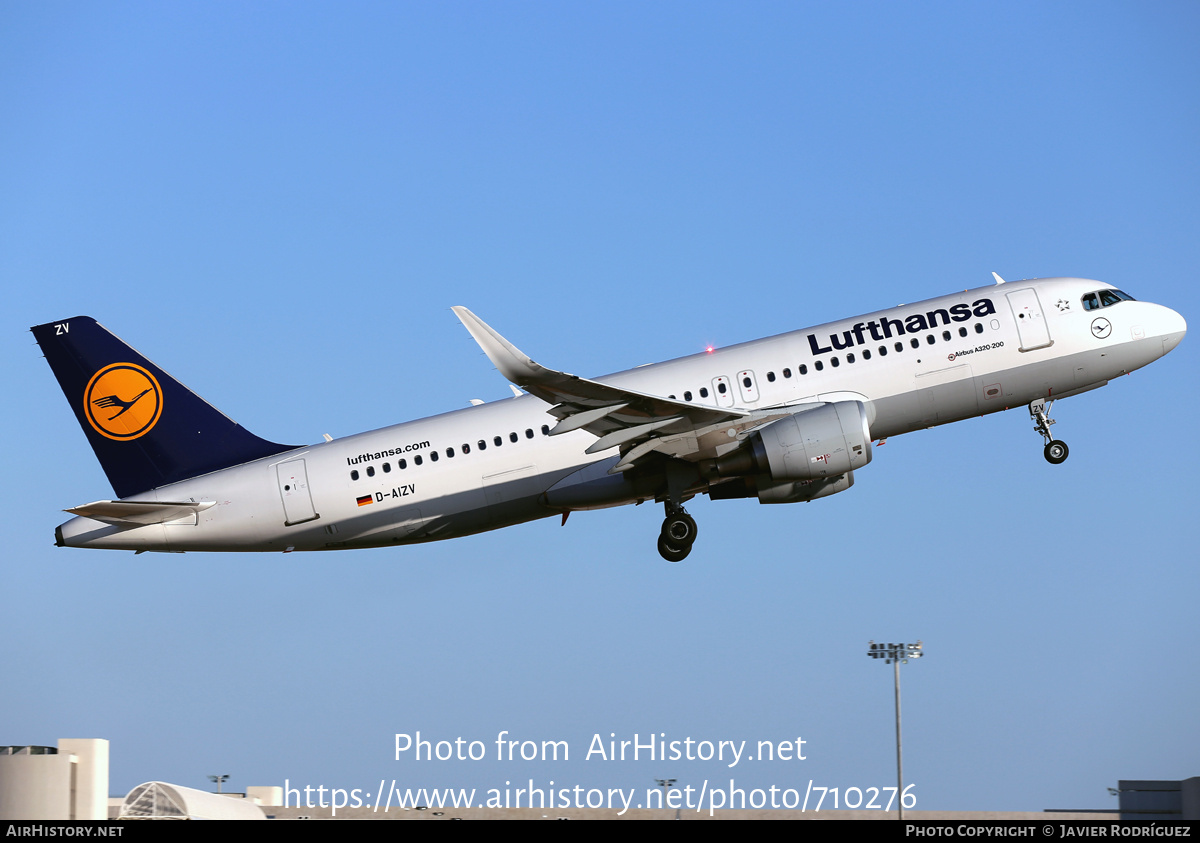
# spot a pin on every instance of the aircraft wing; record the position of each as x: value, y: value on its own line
x: 636, y: 422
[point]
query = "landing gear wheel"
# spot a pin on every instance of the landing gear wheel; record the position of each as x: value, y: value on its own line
x: 1056, y: 451
x: 679, y: 529
x: 672, y: 553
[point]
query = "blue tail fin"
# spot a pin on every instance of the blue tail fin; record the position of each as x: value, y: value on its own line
x: 146, y: 428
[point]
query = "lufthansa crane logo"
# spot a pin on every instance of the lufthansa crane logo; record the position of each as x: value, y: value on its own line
x: 122, y: 401
x: 1101, y: 328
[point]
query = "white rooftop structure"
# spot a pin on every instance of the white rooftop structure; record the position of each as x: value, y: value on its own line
x: 163, y: 801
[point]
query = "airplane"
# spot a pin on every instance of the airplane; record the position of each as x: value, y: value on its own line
x: 785, y: 419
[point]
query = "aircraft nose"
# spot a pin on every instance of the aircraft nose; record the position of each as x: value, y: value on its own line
x: 1174, y: 328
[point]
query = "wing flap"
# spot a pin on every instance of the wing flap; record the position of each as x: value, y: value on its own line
x: 623, y: 435
x: 585, y: 417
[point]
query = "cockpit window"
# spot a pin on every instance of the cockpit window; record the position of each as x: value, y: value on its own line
x: 1105, y: 298
x: 1111, y: 297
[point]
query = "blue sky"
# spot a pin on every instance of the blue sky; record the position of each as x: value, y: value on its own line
x: 279, y: 205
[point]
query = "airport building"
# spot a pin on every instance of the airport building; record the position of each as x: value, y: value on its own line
x: 1159, y: 801
x: 70, y: 782
x: 64, y: 782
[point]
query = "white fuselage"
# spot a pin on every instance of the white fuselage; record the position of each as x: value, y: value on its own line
x: 913, y: 366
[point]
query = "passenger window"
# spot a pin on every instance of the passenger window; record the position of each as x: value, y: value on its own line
x: 866, y: 354
x: 883, y: 351
x: 482, y: 443
x: 770, y: 378
x: 387, y: 468
x: 497, y: 441
x: 449, y: 452
x: 818, y: 365
x: 962, y: 332
x: 370, y: 471
x: 545, y: 430
x: 834, y: 362
x: 803, y: 369
x: 721, y: 388
x: 930, y: 340
x: 354, y: 474
x: 403, y: 465
x: 529, y: 433
x: 899, y: 346
x: 512, y: 437
x: 745, y: 383
x: 787, y: 373
x: 850, y: 357
x: 946, y: 336
x: 915, y: 343
x: 433, y: 456
x: 466, y: 449
x: 417, y: 460
x: 704, y: 392
x: 687, y: 396
x: 979, y: 327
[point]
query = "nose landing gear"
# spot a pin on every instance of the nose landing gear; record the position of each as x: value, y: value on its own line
x: 1056, y: 450
x: 677, y: 535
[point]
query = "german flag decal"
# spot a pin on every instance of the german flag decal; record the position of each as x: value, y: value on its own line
x: 364, y: 500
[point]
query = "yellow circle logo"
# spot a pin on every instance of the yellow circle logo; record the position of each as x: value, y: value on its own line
x: 122, y: 401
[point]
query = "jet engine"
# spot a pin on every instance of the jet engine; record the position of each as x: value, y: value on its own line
x: 818, y: 444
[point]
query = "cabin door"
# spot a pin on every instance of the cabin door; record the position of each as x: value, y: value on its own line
x: 293, y: 489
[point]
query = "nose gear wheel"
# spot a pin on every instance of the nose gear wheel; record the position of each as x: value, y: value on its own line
x: 1056, y: 452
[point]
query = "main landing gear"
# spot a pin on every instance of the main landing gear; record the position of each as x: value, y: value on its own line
x: 1056, y: 450
x: 678, y: 534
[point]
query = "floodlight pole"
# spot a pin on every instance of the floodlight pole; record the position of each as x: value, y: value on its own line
x: 218, y: 780
x: 893, y: 653
x: 899, y: 751
x: 666, y: 785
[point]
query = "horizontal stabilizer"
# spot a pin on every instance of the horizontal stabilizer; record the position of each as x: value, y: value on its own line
x: 139, y: 513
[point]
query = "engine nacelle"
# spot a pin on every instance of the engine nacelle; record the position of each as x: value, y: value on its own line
x: 795, y: 491
x: 786, y: 491
x: 823, y: 442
